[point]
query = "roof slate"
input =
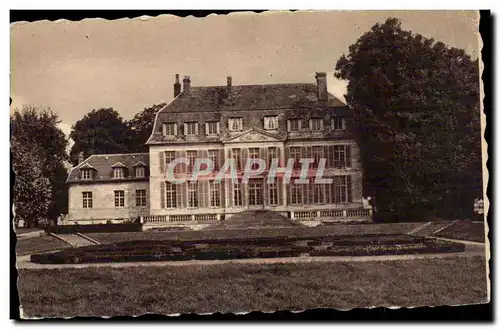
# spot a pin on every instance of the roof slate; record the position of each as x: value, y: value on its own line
x: 103, y: 163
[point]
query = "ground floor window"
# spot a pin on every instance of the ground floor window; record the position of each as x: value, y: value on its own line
x: 273, y: 194
x: 296, y: 193
x: 87, y: 199
x: 342, y: 189
x: 119, y: 199
x: 170, y: 195
x: 237, y: 198
x: 214, y: 194
x: 319, y: 193
x: 140, y: 198
x: 192, y: 194
x: 255, y: 192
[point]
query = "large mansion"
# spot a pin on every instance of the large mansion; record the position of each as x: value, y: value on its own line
x: 273, y: 121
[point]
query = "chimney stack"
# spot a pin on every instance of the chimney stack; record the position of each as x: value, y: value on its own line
x: 80, y: 157
x: 229, y: 84
x: 177, y: 86
x: 322, y: 91
x: 186, y: 85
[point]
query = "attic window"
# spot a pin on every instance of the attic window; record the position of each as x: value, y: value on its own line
x: 139, y: 172
x: 86, y: 174
x: 170, y: 129
x: 338, y: 123
x: 118, y: 173
x: 191, y: 128
x: 271, y: 122
x: 235, y: 124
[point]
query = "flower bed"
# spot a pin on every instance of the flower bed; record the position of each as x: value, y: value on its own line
x: 151, y: 250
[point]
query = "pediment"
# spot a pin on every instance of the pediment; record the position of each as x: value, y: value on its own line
x: 253, y: 135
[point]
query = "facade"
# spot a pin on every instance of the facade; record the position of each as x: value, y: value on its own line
x: 277, y: 121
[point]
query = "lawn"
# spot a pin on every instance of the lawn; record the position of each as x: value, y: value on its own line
x: 245, y: 287
x: 464, y: 230
x: 338, y: 229
x: 39, y: 244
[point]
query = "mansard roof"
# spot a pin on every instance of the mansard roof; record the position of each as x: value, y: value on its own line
x: 103, y: 165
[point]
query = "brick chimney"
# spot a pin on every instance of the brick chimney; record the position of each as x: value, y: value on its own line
x: 186, y: 85
x: 322, y: 91
x: 229, y: 84
x: 177, y: 86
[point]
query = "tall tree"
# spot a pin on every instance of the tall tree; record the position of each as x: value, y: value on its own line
x: 99, y: 132
x: 415, y: 105
x: 140, y: 128
x: 36, y: 132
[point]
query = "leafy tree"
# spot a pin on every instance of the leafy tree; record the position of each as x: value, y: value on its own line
x: 32, y: 190
x: 415, y: 106
x: 100, y: 131
x: 140, y: 128
x: 37, y: 130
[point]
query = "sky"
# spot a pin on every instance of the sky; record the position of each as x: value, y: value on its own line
x: 74, y: 67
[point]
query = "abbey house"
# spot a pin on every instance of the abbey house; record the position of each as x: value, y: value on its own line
x: 273, y: 122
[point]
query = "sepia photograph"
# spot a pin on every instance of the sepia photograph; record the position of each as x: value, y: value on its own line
x: 247, y: 162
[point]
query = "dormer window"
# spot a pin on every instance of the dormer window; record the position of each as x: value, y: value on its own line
x: 86, y: 174
x: 338, y: 123
x: 140, y: 172
x: 294, y: 125
x: 118, y: 173
x: 212, y: 128
x: 191, y: 128
x: 170, y: 129
x: 235, y: 124
x: 271, y: 122
x: 316, y: 124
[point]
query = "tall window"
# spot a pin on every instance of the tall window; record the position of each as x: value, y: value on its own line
x: 170, y: 129
x: 170, y: 195
x: 341, y: 189
x: 87, y: 199
x: 86, y: 174
x: 118, y: 173
x: 294, y: 125
x: 236, y: 155
x: 255, y: 192
x: 140, y: 198
x: 119, y: 199
x: 253, y: 153
x: 316, y: 124
x: 237, y: 196
x: 296, y: 193
x: 271, y: 122
x: 295, y: 154
x: 213, y: 155
x: 341, y: 154
x: 235, y: 124
x: 211, y: 128
x: 272, y: 153
x: 319, y: 193
x: 191, y: 157
x: 317, y: 154
x: 192, y: 194
x: 338, y: 123
x: 214, y: 194
x: 273, y: 194
x: 140, y: 172
x: 191, y: 128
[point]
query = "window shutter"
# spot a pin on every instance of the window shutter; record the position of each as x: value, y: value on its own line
x: 162, y: 162
x: 222, y: 192
x: 349, y: 188
x: 348, y: 161
x: 175, y: 129
x: 181, y: 195
x: 185, y: 129
x: 229, y: 198
x: 288, y: 126
x: 310, y: 124
x: 322, y: 125
x: 278, y: 154
x: 220, y: 159
x: 196, y: 128
x: 218, y: 127
x: 164, y: 129
x: 343, y: 123
x: 279, y: 189
x: 206, y: 128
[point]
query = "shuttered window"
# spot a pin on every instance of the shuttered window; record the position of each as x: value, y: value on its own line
x: 273, y: 194
x: 214, y: 194
x: 341, y: 156
x: 191, y: 157
x: 342, y: 189
x: 170, y: 195
x: 296, y: 193
x: 236, y: 155
x: 295, y: 153
x: 338, y: 123
x: 237, y: 194
x: 192, y: 188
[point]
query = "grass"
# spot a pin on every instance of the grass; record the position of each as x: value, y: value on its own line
x: 464, y: 230
x: 245, y: 287
x: 39, y: 244
x: 340, y: 229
